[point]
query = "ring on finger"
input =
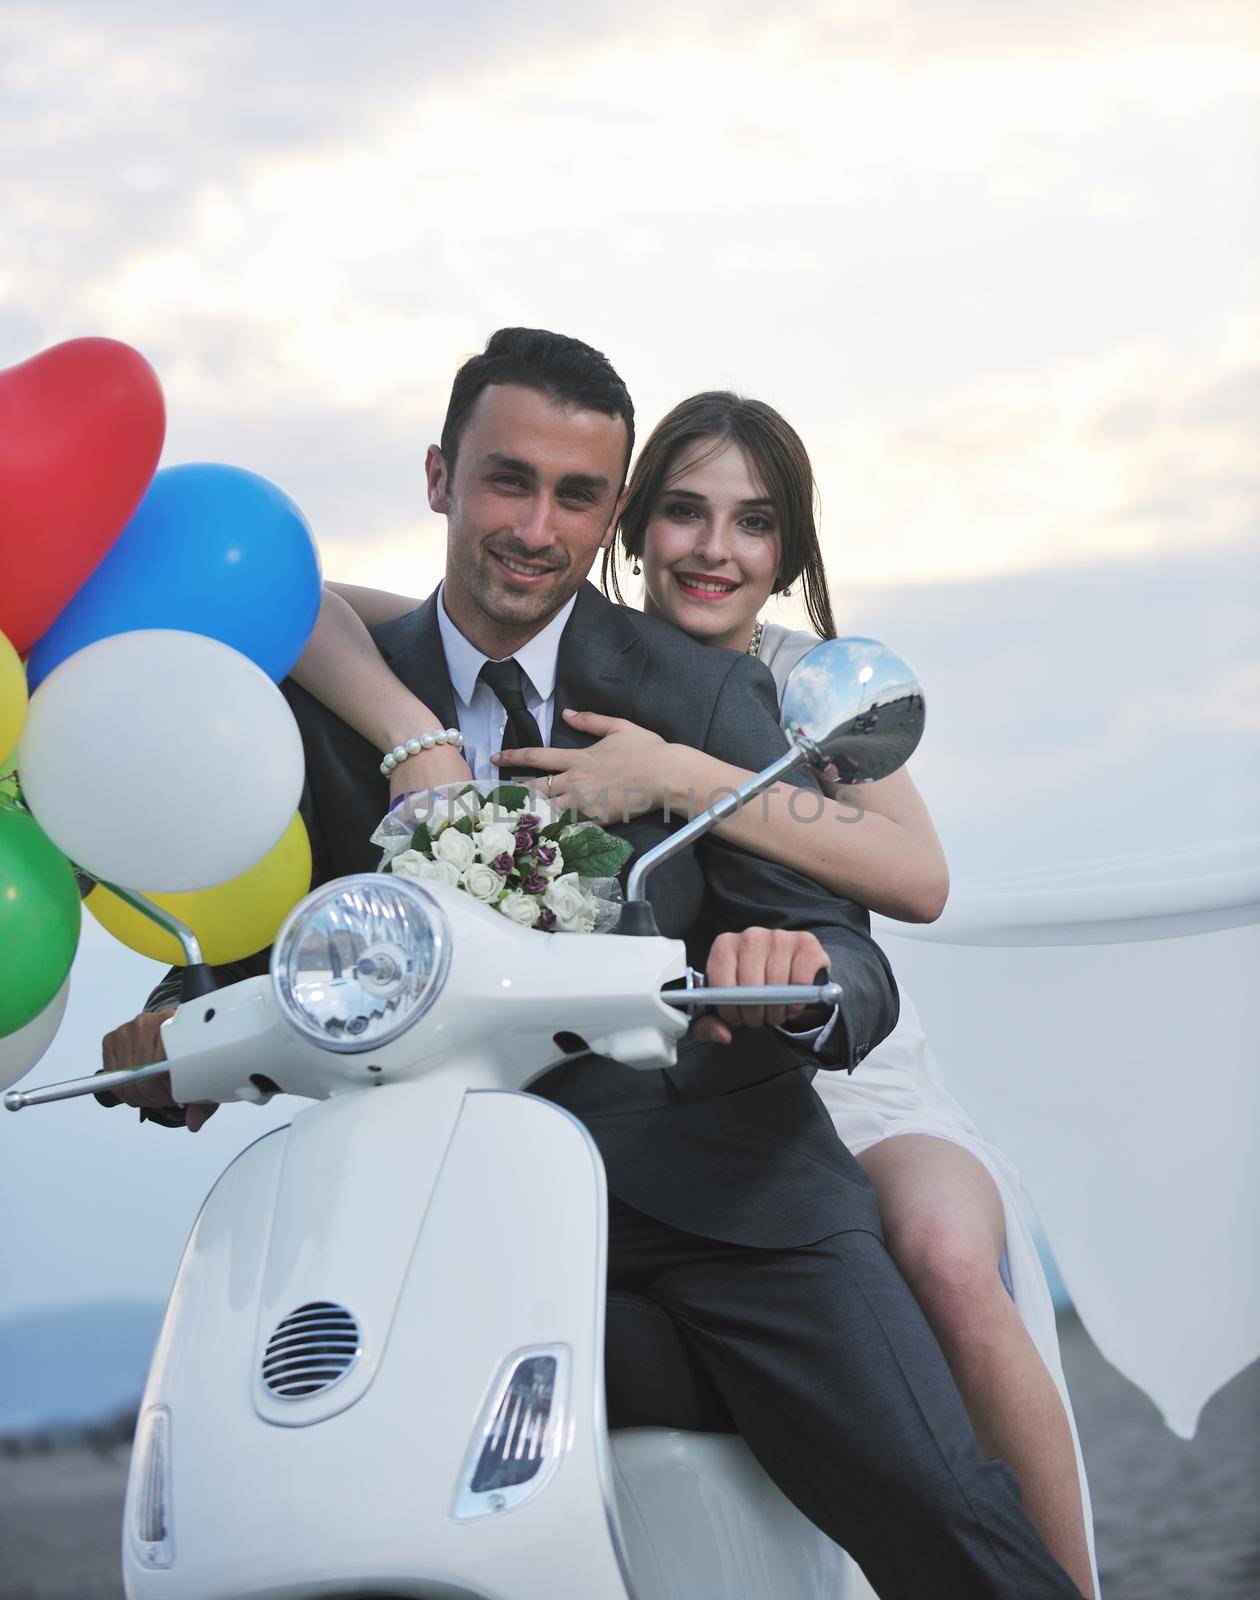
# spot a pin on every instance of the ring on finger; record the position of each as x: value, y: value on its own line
x: 550, y: 781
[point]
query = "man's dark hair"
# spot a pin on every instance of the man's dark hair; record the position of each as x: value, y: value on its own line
x: 565, y: 370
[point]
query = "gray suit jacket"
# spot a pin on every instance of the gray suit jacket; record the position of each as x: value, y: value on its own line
x: 732, y: 1143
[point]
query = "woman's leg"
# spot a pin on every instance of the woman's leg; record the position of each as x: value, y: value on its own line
x: 944, y: 1227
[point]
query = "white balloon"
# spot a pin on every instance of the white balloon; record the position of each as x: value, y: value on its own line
x: 161, y: 760
x: 21, y: 1050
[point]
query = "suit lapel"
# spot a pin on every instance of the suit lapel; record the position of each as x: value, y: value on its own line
x: 598, y: 667
x: 413, y: 647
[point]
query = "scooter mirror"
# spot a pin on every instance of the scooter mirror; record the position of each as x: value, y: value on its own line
x: 851, y: 709
x: 855, y: 707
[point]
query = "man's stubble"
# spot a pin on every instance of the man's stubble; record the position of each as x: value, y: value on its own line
x: 504, y: 612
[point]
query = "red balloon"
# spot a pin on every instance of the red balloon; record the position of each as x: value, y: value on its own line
x: 81, y: 430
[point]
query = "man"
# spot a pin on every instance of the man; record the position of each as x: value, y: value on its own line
x: 734, y: 1207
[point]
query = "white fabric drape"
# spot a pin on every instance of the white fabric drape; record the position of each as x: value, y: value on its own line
x: 1100, y: 1022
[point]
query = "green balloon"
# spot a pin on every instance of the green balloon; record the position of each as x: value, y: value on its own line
x: 39, y: 918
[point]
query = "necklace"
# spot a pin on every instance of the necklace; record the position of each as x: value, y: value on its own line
x: 754, y: 644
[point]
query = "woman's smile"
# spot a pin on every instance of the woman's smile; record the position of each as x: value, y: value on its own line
x: 699, y: 586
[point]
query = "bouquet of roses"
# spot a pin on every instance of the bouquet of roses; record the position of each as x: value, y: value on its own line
x: 511, y: 849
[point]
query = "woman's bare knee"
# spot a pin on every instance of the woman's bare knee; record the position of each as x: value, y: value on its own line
x: 954, y: 1277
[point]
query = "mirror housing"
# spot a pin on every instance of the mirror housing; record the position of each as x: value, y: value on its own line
x: 855, y: 708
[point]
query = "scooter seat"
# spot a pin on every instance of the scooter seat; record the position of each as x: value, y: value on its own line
x: 652, y: 1379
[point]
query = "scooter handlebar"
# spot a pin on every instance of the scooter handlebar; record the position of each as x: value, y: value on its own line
x: 756, y: 994
x: 696, y: 996
x: 19, y: 1099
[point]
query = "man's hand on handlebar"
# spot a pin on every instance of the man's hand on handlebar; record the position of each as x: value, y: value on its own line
x: 138, y: 1043
x: 756, y: 956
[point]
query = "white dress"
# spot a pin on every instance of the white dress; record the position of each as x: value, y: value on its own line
x: 898, y: 1088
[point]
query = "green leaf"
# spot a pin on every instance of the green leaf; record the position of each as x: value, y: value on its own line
x: 595, y: 854
x: 509, y: 796
x: 422, y: 839
x: 463, y: 825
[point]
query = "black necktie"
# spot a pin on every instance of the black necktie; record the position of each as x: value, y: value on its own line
x: 507, y: 683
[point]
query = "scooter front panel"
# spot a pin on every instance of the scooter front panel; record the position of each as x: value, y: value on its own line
x: 511, y: 1255
x: 359, y: 1172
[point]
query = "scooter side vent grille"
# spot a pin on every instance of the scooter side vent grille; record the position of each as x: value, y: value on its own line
x: 520, y: 1434
x: 311, y: 1349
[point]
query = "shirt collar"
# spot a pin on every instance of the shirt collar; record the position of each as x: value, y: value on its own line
x: 537, y: 658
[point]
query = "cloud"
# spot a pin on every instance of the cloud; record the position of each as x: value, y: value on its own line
x: 938, y: 240
x: 1131, y: 452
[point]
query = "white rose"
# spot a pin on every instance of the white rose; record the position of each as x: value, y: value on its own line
x: 409, y: 864
x: 518, y: 907
x: 455, y: 847
x: 481, y: 882
x: 412, y: 864
x: 493, y: 841
x: 442, y: 872
x: 493, y: 815
x: 584, y: 918
x: 564, y: 896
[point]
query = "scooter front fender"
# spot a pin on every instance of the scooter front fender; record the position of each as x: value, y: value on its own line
x: 455, y: 1229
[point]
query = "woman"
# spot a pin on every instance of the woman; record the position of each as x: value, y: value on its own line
x: 719, y: 514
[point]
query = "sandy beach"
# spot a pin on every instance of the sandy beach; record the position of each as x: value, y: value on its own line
x: 1175, y: 1520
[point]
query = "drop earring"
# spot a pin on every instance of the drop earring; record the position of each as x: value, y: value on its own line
x: 635, y: 567
x: 787, y: 592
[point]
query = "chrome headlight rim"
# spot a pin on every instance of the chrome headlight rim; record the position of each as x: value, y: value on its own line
x: 441, y: 935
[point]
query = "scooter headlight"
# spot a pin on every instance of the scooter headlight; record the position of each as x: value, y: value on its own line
x: 360, y: 960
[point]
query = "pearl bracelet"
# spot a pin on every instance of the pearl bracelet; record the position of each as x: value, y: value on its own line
x: 413, y: 747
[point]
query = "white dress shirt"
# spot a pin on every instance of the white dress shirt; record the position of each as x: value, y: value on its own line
x: 481, y: 718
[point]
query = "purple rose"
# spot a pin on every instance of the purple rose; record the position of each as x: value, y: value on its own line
x: 534, y: 884
x: 529, y: 820
x: 502, y: 864
x: 524, y: 840
x: 546, y: 920
x: 546, y: 854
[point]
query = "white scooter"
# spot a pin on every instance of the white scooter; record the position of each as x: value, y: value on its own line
x: 381, y: 1369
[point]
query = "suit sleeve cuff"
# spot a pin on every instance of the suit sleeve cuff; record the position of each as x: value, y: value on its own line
x: 815, y: 1039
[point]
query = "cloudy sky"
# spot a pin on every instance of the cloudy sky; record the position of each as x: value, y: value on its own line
x: 991, y: 261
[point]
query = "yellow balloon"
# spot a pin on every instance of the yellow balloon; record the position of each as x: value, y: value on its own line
x: 13, y: 698
x: 232, y: 920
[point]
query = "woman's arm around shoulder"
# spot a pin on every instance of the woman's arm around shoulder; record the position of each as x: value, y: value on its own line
x: 873, y: 843
x: 343, y: 669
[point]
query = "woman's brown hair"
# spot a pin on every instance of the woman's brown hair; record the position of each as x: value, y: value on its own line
x: 778, y: 459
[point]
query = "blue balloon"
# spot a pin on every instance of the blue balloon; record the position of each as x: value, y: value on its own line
x: 213, y: 550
